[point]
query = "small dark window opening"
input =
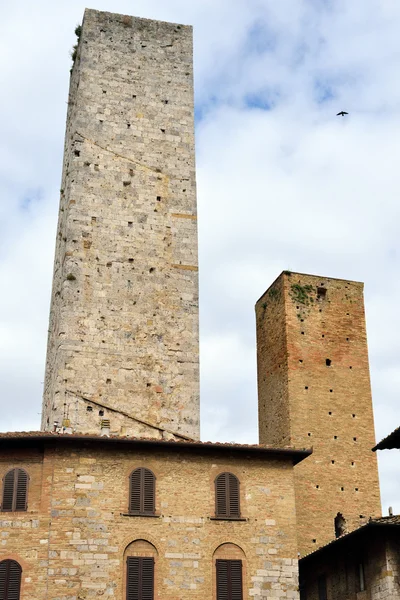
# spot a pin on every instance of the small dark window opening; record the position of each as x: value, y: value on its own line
x: 89, y: 408
x: 229, y: 580
x: 340, y: 524
x: 328, y: 362
x: 322, y: 588
x: 10, y: 580
x: 15, y: 491
x: 77, y: 152
x: 101, y: 413
x: 130, y: 223
x: 142, y: 484
x: 227, y: 496
x: 321, y: 293
x: 140, y: 578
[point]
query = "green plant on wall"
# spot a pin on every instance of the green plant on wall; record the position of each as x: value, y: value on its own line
x: 74, y: 51
x: 302, y: 294
x: 273, y: 294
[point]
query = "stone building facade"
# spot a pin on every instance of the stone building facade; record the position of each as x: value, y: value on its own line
x: 76, y: 534
x: 123, y: 348
x: 362, y: 565
x: 314, y: 390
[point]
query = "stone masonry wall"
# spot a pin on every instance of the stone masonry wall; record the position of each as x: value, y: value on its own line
x: 324, y: 394
x: 379, y: 554
x: 123, y: 340
x: 73, y: 541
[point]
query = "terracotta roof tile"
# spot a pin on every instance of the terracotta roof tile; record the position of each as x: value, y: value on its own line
x: 297, y: 454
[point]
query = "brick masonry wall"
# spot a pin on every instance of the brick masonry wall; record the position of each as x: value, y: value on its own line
x: 312, y: 402
x: 73, y: 541
x: 123, y: 341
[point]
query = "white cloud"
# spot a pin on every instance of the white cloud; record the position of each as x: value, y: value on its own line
x: 289, y: 188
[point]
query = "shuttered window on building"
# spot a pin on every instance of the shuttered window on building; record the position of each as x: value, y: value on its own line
x: 10, y: 580
x: 140, y: 578
x: 142, y: 492
x: 229, y: 580
x: 227, y: 496
x: 15, y: 491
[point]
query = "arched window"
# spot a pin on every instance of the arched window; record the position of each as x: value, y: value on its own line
x: 15, y: 490
x: 227, y: 496
x: 229, y: 562
x: 10, y: 580
x: 140, y: 559
x: 142, y: 484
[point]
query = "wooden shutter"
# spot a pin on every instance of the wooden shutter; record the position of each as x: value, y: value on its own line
x: 142, y: 492
x: 134, y: 500
x: 233, y: 495
x: 148, y: 492
x: 227, y: 496
x: 21, y: 488
x: 229, y: 580
x: 8, y: 491
x: 10, y: 580
x: 140, y: 578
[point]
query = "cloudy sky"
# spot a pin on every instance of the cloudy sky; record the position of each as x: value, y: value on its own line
x: 282, y: 183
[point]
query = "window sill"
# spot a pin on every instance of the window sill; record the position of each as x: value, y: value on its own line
x: 228, y: 519
x: 154, y: 516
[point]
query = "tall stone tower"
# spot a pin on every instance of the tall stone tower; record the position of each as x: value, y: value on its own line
x: 123, y: 351
x: 314, y: 390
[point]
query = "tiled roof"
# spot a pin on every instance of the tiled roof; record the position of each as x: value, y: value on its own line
x: 28, y: 437
x: 393, y: 520
x: 389, y: 442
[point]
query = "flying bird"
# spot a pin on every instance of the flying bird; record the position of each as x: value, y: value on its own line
x: 342, y: 113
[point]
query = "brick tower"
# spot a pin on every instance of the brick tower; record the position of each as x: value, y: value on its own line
x: 123, y: 341
x: 314, y: 390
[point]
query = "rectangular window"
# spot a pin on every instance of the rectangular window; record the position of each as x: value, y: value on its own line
x: 229, y: 580
x: 322, y: 590
x: 140, y: 578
